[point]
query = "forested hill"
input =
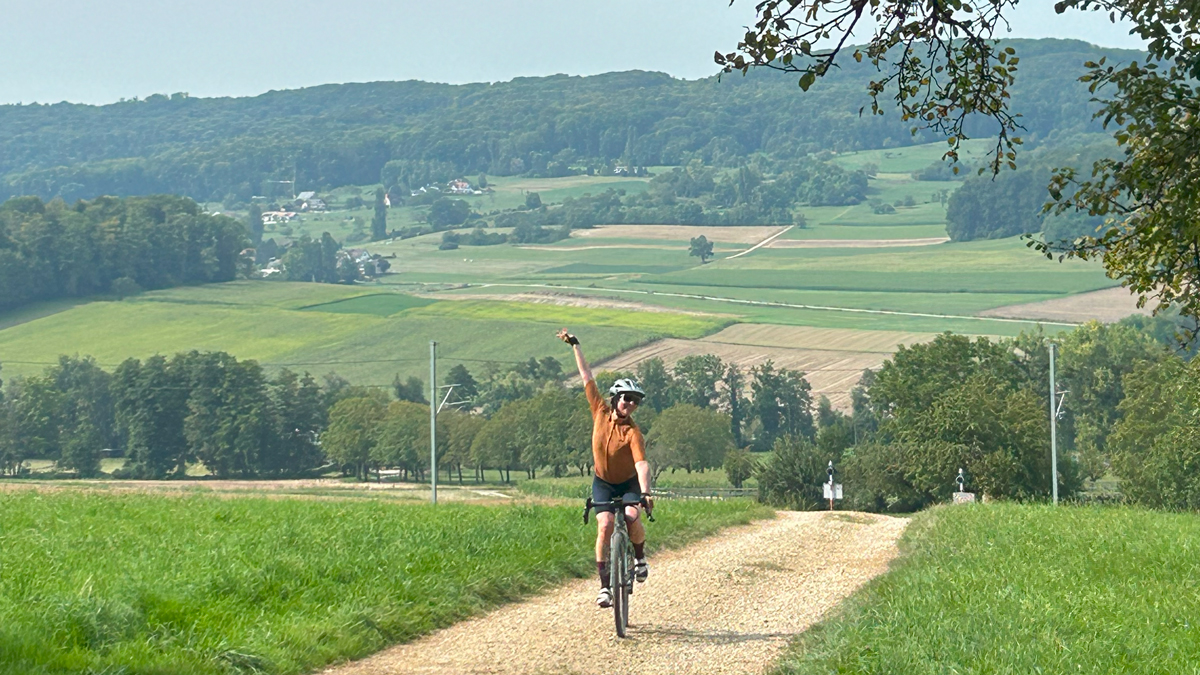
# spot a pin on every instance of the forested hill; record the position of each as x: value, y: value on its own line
x: 411, y: 132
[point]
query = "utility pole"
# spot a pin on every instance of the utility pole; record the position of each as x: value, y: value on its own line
x: 433, y: 410
x: 1053, y: 429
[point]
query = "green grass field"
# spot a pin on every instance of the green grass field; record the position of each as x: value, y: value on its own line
x: 140, y: 584
x: 361, y: 338
x: 1007, y: 588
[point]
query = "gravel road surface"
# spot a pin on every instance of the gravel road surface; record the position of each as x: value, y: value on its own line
x: 725, y: 605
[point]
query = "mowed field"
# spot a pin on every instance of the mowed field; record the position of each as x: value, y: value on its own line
x: 365, y: 334
x: 832, y: 359
x: 1108, y: 305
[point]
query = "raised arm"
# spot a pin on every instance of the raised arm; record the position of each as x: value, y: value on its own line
x: 584, y: 371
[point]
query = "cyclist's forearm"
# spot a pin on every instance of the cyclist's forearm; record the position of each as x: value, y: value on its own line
x: 584, y: 371
x: 643, y: 474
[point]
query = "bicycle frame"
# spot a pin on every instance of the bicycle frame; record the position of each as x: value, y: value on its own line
x: 620, y: 558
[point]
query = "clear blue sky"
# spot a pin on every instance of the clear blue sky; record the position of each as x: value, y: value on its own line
x: 98, y: 51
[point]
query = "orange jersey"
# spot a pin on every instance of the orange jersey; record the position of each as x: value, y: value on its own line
x: 617, y: 444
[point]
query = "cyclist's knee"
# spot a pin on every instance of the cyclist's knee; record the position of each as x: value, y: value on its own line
x: 631, y: 514
x: 604, y: 520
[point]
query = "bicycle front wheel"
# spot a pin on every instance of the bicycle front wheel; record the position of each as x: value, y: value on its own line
x: 618, y: 574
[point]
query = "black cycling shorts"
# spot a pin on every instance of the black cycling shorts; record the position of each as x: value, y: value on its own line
x: 603, y: 491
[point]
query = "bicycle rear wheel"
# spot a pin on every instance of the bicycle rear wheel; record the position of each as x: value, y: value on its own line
x: 618, y: 573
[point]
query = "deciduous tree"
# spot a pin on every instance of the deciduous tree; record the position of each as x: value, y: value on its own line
x: 780, y: 403
x: 379, y: 220
x: 351, y: 436
x: 688, y: 437
x: 701, y: 248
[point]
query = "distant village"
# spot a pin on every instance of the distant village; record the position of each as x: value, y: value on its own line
x: 308, y: 202
x: 369, y: 265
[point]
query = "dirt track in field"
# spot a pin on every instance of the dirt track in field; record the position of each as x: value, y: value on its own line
x: 727, y: 605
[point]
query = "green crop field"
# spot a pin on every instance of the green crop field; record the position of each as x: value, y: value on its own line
x: 283, y: 324
x: 1008, y: 588
x: 378, y: 304
x: 998, y: 266
x: 913, y: 157
x: 860, y: 232
x: 825, y: 309
x: 681, y: 325
x: 138, y: 583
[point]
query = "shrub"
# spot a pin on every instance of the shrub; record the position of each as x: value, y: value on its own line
x: 793, y: 477
x: 739, y: 467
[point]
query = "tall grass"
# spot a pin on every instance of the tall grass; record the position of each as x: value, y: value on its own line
x: 1023, y: 589
x: 580, y: 487
x: 138, y: 583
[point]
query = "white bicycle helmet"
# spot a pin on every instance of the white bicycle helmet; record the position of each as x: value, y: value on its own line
x: 626, y: 386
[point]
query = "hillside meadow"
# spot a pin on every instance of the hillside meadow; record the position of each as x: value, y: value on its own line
x: 1012, y: 588
x: 140, y: 583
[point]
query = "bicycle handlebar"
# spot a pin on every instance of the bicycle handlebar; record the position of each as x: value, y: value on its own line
x: 616, y: 502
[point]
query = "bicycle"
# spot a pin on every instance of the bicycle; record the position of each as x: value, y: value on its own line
x: 620, y: 558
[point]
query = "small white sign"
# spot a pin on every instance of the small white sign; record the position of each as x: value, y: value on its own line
x: 964, y: 497
x: 833, y: 491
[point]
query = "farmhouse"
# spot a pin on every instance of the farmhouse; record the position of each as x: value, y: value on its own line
x: 278, y: 216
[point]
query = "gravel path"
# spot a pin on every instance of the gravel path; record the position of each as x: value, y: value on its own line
x: 728, y: 604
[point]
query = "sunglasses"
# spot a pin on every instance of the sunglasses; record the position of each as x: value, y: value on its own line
x: 631, y: 398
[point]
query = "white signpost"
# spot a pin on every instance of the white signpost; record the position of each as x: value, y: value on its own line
x: 962, y: 496
x: 832, y: 490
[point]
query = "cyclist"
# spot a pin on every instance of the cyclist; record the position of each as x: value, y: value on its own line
x: 621, y: 469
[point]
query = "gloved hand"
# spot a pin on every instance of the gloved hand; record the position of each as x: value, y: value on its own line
x: 567, y: 337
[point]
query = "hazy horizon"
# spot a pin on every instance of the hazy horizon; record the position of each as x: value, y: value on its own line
x: 102, y: 53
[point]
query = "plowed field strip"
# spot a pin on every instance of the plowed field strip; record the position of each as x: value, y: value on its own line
x: 831, y: 373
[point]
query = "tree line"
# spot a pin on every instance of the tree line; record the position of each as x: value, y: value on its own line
x: 164, y: 414
x: 931, y: 409
x: 110, y: 245
x: 759, y: 193
x: 1011, y: 203
x: 415, y: 132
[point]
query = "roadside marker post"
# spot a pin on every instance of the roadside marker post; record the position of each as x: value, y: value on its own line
x: 962, y: 496
x: 832, y: 490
